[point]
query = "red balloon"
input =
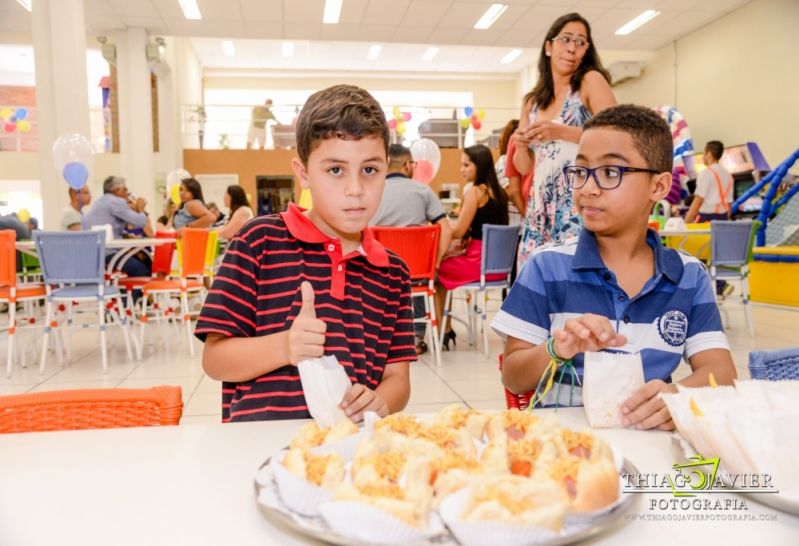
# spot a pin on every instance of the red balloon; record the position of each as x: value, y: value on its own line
x: 9, y: 127
x: 392, y: 123
x: 406, y: 116
x: 423, y: 172
x: 476, y: 124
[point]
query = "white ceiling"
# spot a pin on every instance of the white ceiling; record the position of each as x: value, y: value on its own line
x: 402, y: 26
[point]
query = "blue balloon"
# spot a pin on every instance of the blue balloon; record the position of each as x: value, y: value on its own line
x: 75, y: 174
x: 21, y: 113
x: 468, y: 110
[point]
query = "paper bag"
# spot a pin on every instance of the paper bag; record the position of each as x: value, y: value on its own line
x: 324, y: 383
x: 608, y: 380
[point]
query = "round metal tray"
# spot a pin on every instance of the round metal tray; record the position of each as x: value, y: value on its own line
x: 270, y: 505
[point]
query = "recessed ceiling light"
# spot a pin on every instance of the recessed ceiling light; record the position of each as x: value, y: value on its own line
x: 641, y: 20
x: 190, y: 9
x: 430, y: 54
x: 332, y: 12
x: 490, y: 16
x: 287, y: 49
x: 511, y: 56
x: 25, y: 4
x: 228, y: 48
x: 374, y: 52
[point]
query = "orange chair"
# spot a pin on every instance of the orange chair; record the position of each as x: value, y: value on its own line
x: 418, y: 248
x: 90, y: 409
x: 12, y: 293
x: 192, y: 268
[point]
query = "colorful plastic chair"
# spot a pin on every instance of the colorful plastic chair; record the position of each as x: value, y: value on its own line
x: 12, y: 293
x: 90, y: 409
x: 418, y: 248
x: 775, y: 365
x: 730, y: 253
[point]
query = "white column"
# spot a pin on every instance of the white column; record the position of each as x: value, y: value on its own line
x: 170, y: 154
x: 59, y: 47
x: 135, y: 116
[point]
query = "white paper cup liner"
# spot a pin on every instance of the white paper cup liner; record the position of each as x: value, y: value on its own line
x: 298, y: 494
x: 344, y: 448
x: 369, y: 524
x: 487, y: 533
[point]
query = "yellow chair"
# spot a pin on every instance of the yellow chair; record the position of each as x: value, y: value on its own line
x: 696, y: 245
x: 211, y: 254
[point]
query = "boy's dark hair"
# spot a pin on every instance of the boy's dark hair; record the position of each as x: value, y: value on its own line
x: 397, y: 155
x: 651, y: 135
x: 340, y: 111
x: 716, y: 149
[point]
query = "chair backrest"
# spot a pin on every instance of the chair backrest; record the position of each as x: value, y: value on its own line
x: 211, y: 251
x: 71, y: 256
x: 416, y: 245
x: 193, y: 248
x: 775, y: 365
x: 8, y: 258
x: 106, y: 229
x: 90, y: 409
x: 162, y: 254
x: 499, y: 249
x: 731, y: 242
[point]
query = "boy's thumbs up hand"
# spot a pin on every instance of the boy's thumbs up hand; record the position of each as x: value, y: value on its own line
x: 306, y: 336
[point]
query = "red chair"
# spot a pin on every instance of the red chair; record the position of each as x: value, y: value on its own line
x: 12, y: 293
x: 418, y: 248
x: 515, y: 401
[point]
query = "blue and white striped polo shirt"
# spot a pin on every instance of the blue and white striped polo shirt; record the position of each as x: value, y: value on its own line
x: 674, y: 316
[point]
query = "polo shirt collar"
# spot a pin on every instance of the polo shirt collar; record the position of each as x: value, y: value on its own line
x: 302, y: 228
x: 667, y: 261
x: 395, y: 175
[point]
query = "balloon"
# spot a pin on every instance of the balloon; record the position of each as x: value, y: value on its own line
x: 75, y: 174
x: 72, y: 148
x: 23, y: 215
x: 175, y: 177
x: 396, y: 112
x: 6, y: 113
x: 406, y: 116
x: 174, y: 193
x: 465, y: 122
x: 9, y: 127
x: 427, y: 150
x: 481, y: 114
x: 392, y: 123
x: 476, y: 124
x: 400, y: 127
x: 21, y: 113
x: 249, y: 198
x: 423, y: 172
x: 13, y: 119
x: 468, y: 110
x: 24, y: 126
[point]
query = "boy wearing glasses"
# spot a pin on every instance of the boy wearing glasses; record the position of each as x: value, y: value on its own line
x: 616, y: 287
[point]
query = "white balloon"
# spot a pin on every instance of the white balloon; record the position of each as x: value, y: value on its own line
x: 425, y: 149
x: 73, y: 148
x: 176, y: 176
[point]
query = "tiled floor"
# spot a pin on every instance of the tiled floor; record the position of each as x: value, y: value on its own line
x: 466, y: 376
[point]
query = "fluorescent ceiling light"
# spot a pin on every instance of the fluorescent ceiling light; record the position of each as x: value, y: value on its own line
x: 287, y: 49
x: 332, y: 12
x: 490, y: 16
x: 511, y: 56
x: 25, y: 4
x: 430, y: 54
x: 374, y: 52
x: 228, y: 48
x: 190, y: 9
x: 641, y: 20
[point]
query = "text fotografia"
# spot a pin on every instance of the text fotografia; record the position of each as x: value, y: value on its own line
x: 699, y: 475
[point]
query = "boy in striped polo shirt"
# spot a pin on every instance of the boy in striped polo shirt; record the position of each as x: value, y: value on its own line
x: 615, y: 286
x: 302, y: 284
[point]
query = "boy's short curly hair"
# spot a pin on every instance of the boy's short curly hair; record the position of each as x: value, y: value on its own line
x: 340, y: 111
x: 651, y: 135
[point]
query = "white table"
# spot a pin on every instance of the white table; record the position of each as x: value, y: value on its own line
x: 193, y: 485
x: 129, y: 247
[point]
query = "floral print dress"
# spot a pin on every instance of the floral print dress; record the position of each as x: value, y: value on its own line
x: 550, y: 213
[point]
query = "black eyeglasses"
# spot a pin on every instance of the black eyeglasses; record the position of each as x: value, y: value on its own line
x: 565, y: 39
x: 607, y: 177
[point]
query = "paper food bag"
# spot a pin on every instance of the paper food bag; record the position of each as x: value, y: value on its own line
x: 324, y: 383
x: 608, y: 380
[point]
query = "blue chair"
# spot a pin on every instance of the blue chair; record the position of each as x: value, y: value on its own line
x: 75, y: 261
x: 498, y: 256
x: 730, y: 253
x: 774, y: 365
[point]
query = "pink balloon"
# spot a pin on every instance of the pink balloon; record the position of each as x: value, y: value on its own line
x: 406, y: 116
x: 9, y: 127
x: 423, y: 172
x: 392, y: 123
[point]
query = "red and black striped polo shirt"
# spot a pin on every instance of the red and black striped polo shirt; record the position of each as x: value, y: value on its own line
x: 364, y: 298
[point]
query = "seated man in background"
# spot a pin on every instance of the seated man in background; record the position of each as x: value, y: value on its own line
x: 22, y: 229
x: 72, y: 217
x: 405, y: 203
x: 117, y: 208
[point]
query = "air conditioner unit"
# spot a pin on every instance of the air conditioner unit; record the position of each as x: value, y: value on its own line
x: 625, y: 70
x: 155, y: 53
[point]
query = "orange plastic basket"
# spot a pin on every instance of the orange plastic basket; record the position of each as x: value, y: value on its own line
x: 90, y: 409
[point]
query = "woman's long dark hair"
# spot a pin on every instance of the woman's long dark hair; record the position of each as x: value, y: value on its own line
x: 486, y: 175
x: 544, y: 91
x: 507, y: 132
x: 238, y: 199
x: 194, y: 188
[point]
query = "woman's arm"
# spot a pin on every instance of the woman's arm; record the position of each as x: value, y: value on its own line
x: 596, y: 93
x: 468, y: 210
x: 515, y: 194
x: 229, y: 230
x: 204, y: 217
x: 522, y: 157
